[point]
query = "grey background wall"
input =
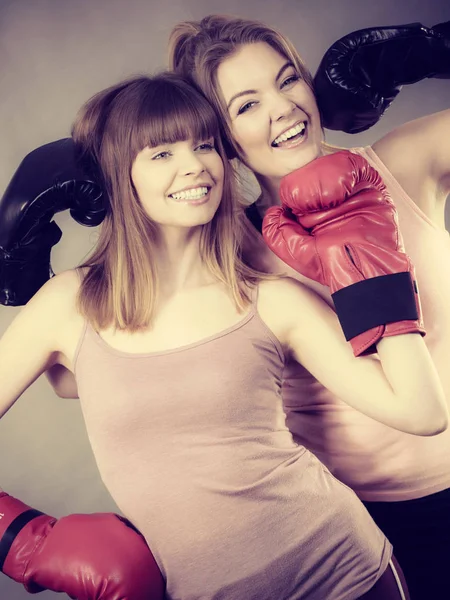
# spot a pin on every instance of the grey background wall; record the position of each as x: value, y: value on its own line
x: 54, y: 54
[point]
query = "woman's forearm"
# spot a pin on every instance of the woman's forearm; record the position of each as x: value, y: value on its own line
x: 411, y: 373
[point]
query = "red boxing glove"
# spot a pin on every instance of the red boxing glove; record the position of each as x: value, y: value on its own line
x: 89, y: 557
x: 338, y: 225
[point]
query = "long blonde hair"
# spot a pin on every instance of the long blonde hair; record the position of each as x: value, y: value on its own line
x: 197, y: 48
x: 121, y: 285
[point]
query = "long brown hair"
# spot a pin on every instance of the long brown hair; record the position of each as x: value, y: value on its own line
x: 121, y: 285
x: 197, y: 48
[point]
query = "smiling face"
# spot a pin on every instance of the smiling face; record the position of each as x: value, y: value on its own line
x: 272, y: 112
x: 179, y: 184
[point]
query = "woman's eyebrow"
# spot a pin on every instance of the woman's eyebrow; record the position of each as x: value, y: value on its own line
x: 245, y: 92
x: 283, y: 69
x: 238, y: 95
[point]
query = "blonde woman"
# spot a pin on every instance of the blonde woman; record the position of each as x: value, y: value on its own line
x: 264, y: 95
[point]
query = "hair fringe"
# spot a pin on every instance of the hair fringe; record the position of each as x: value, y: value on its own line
x: 121, y: 286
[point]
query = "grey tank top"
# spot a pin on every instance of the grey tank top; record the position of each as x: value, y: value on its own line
x: 192, y: 445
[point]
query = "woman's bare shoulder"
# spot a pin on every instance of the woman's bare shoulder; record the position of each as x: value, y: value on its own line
x: 61, y: 291
x: 417, y: 145
x: 54, y: 306
x: 418, y: 156
x: 285, y: 303
x: 284, y: 287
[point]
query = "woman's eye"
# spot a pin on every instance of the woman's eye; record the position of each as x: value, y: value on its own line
x: 290, y: 79
x: 206, y: 146
x: 246, y: 107
x: 161, y: 155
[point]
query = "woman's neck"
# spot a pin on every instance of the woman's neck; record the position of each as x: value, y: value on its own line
x: 269, y: 196
x: 270, y: 186
x: 180, y: 265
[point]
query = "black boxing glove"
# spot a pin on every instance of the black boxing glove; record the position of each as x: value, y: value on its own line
x: 361, y: 74
x: 48, y: 180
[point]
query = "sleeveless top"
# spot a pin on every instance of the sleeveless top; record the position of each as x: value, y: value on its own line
x: 378, y: 462
x: 192, y: 445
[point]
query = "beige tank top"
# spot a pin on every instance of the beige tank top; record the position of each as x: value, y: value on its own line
x: 193, y: 447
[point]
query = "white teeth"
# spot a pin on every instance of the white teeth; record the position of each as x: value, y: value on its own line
x: 193, y: 194
x: 300, y: 128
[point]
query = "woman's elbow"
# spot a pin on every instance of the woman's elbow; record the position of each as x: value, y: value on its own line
x: 440, y: 426
x: 433, y: 425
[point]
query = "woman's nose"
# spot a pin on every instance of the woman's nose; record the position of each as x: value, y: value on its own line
x: 281, y: 107
x: 192, y: 165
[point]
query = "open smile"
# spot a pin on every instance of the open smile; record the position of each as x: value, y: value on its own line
x: 291, y: 137
x: 194, y: 196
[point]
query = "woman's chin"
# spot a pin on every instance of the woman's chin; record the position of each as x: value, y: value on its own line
x: 270, y: 176
x: 297, y: 162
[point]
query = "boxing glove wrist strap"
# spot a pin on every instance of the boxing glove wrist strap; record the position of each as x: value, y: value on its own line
x: 376, y: 301
x: 13, y: 531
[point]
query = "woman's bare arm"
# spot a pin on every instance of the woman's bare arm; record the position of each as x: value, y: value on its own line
x: 401, y: 390
x: 418, y: 155
x: 31, y: 344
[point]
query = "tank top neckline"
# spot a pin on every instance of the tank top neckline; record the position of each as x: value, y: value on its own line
x: 210, y: 338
